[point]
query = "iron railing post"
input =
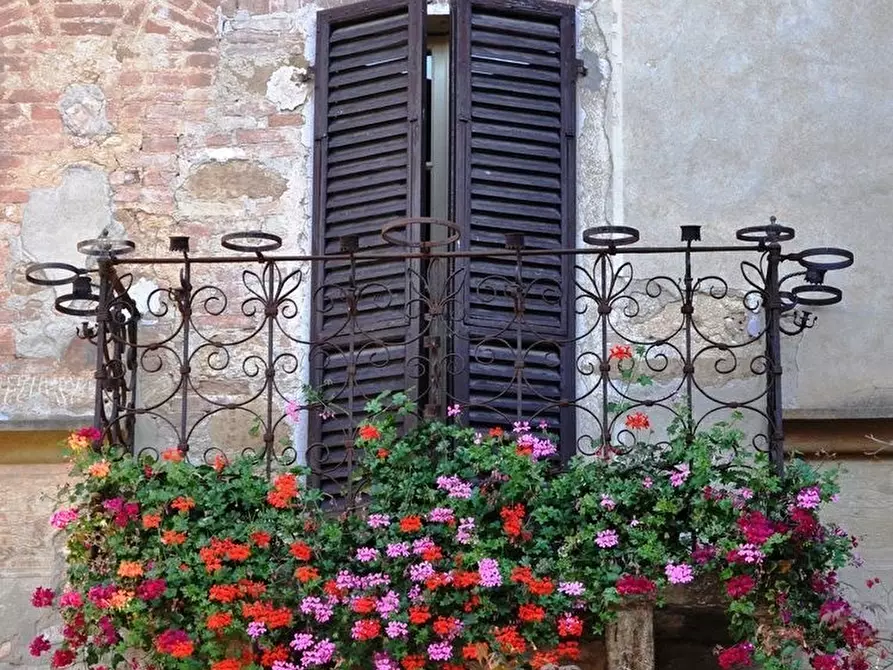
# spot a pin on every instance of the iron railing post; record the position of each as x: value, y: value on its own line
x: 773, y: 356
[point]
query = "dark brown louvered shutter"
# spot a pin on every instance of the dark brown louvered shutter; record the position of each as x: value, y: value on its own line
x: 368, y: 165
x: 514, y: 79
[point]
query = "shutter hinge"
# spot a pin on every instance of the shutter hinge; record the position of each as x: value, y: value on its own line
x: 582, y: 70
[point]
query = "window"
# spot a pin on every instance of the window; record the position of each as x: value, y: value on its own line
x: 472, y: 121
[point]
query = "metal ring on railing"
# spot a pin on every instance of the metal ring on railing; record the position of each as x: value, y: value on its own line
x: 32, y: 278
x: 771, y: 233
x: 610, y: 236
x: 805, y: 258
x: 63, y: 304
x: 262, y: 241
x: 402, y: 224
x: 103, y: 246
x: 833, y: 295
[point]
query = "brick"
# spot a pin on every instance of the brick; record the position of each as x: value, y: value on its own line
x: 254, y: 6
x: 11, y: 111
x: 205, y: 61
x: 31, y: 95
x: 188, y: 22
x: 159, y: 145
x: 13, y: 196
x: 218, y: 140
x: 15, y: 29
x: 199, y: 79
x: 185, y: 5
x: 96, y: 11
x: 152, y: 27
x: 278, y: 120
x: 10, y: 161
x: 87, y: 28
x: 9, y: 16
x: 259, y: 136
x: 130, y: 79
x: 44, y: 112
x: 201, y: 44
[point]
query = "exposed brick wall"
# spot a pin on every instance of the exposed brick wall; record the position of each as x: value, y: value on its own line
x: 135, y: 96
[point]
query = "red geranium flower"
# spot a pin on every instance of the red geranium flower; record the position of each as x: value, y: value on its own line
x: 300, y: 551
x: 219, y: 620
x: 621, y: 352
x: 635, y: 585
x: 369, y: 432
x: 740, y: 586
x: 42, y: 597
x: 363, y: 605
x: 638, y: 421
x: 529, y: 612
x: 419, y: 614
x: 410, y: 524
x: 39, y: 645
x: 413, y: 662
x: 305, y: 573
x: 741, y: 655
x: 260, y: 539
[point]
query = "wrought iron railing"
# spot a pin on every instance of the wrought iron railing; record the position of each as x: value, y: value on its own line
x: 247, y: 333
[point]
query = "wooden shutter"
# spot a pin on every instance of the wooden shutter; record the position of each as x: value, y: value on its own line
x: 368, y: 163
x: 514, y: 78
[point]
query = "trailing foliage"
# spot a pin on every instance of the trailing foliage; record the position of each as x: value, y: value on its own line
x: 471, y: 550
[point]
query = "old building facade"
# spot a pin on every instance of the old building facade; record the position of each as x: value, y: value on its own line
x: 151, y: 118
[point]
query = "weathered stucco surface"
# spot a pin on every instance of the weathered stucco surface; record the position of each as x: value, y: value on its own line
x: 735, y: 111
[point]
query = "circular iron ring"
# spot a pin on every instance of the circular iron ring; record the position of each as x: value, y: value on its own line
x: 102, y: 246
x: 845, y: 255
x: 62, y: 301
x: 834, y: 294
x: 31, y: 270
x: 265, y: 241
x: 599, y: 236
x: 389, y: 228
x: 771, y: 233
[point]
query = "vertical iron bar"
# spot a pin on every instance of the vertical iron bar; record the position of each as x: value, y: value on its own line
x: 270, y: 314
x: 184, y: 303
x: 773, y: 356
x: 101, y: 372
x: 352, y: 296
x: 519, y: 332
x: 604, y: 311
x: 688, y: 369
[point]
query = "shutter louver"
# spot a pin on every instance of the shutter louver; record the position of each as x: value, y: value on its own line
x: 514, y: 81
x: 367, y: 171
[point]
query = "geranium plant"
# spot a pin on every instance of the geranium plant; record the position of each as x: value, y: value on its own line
x: 470, y: 549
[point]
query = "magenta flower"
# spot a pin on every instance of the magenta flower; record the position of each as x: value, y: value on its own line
x: 454, y: 410
x: 366, y: 554
x: 420, y: 572
x: 465, y: 530
x: 678, y: 478
x: 256, y: 629
x: 679, y: 573
x: 71, y: 599
x: 809, y: 498
x: 396, y: 629
x: 647, y: 482
x: 397, y: 550
x: 488, y: 570
x: 319, y: 655
x: 301, y: 641
x: 441, y: 515
x: 42, y: 597
x: 39, y: 645
x: 440, y: 651
x: 571, y: 588
x: 521, y: 427
x: 292, y: 410
x: 455, y: 487
x: 607, y: 502
x: 378, y: 521
x: 422, y: 545
x: 607, y: 538
x: 63, y: 517
x: 387, y: 605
